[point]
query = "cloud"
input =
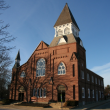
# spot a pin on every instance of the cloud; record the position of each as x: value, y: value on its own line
x: 99, y: 68
x: 103, y: 71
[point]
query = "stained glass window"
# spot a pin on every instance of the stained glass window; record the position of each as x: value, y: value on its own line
x: 40, y: 67
x: 23, y: 74
x: 61, y: 69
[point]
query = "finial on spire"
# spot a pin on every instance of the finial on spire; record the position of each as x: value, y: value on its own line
x: 18, y: 56
x: 17, y: 60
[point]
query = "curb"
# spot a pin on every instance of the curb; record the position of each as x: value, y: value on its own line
x: 97, y: 105
x: 91, y: 106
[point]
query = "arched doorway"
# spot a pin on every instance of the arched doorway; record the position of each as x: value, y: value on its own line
x: 61, y: 93
x: 21, y: 93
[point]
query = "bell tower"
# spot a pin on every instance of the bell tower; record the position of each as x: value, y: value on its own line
x: 66, y: 23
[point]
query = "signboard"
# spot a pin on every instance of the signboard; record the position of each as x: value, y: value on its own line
x: 21, y: 89
x: 61, y: 88
x: 33, y: 99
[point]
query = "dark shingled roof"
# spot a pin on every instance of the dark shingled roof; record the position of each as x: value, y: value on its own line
x: 16, y: 65
x: 66, y: 17
x: 70, y: 38
x: 18, y: 56
x: 46, y: 44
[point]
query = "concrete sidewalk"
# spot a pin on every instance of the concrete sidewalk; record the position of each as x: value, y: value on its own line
x: 84, y: 107
x: 92, y: 105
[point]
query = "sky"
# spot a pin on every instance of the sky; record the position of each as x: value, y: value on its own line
x: 32, y: 21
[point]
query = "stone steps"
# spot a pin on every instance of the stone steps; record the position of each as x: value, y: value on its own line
x: 56, y: 105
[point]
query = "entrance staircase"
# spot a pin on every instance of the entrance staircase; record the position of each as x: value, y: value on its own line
x: 56, y: 105
x: 13, y: 103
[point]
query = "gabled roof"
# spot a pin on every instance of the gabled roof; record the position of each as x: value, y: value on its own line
x: 68, y: 38
x: 42, y: 45
x: 18, y: 56
x: 66, y: 17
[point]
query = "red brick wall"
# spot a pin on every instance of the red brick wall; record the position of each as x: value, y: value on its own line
x: 69, y: 54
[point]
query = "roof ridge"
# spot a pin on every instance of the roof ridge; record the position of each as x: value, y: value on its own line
x: 66, y: 17
x: 46, y: 43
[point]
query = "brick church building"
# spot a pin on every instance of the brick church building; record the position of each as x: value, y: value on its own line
x: 58, y: 68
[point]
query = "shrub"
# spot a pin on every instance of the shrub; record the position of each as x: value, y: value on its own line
x: 7, y: 101
x: 71, y: 103
x: 33, y: 104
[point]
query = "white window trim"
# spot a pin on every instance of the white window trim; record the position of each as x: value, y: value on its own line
x: 43, y: 93
x: 67, y: 29
x: 23, y: 75
x: 82, y: 74
x: 37, y: 68
x: 65, y: 68
x: 40, y: 92
x: 88, y: 93
x: 88, y: 77
x: 83, y: 89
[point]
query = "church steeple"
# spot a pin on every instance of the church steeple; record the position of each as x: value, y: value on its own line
x: 18, y: 56
x: 66, y: 23
x: 17, y: 60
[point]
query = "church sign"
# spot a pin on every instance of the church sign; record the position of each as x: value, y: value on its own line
x: 33, y: 99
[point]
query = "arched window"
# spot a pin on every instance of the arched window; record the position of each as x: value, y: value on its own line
x: 41, y: 92
x: 23, y: 74
x: 61, y: 69
x: 37, y: 92
x: 67, y: 31
x: 40, y: 67
x: 60, y: 32
x: 34, y: 91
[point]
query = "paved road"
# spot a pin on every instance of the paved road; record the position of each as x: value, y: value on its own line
x: 24, y: 108
x: 104, y: 106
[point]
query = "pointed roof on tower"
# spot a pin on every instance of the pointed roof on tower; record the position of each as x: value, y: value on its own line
x: 66, y: 17
x: 18, y: 56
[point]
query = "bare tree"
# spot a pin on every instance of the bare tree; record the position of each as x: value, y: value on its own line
x: 5, y: 59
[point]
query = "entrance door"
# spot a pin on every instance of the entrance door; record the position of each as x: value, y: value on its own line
x: 59, y: 96
x: 21, y: 93
x: 96, y: 95
x: 21, y: 96
x: 61, y: 93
